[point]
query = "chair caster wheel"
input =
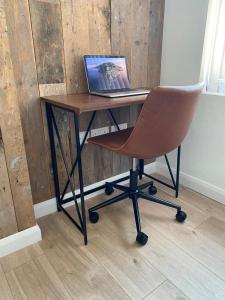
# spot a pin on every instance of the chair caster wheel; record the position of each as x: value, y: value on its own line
x: 181, y: 216
x: 152, y: 190
x: 93, y: 217
x: 141, y: 238
x: 109, y: 189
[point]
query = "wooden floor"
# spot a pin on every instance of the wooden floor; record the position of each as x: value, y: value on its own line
x: 180, y: 261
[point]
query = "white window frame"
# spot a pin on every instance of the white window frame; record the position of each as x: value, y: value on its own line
x: 213, y: 59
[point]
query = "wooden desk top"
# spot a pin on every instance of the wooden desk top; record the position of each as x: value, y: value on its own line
x: 85, y: 102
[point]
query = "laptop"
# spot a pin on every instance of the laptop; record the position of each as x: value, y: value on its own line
x: 107, y: 76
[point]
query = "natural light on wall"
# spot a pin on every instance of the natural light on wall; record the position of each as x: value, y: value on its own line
x: 213, y: 60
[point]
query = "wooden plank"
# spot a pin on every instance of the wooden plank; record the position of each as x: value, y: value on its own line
x: 132, y: 271
x: 15, y: 287
x: 129, y: 269
x: 132, y: 41
x: 121, y: 38
x: 49, y: 53
x: 86, y: 29
x: 5, y: 292
x: 18, y: 258
x: 47, y: 40
x: 10, y: 123
x: 167, y: 291
x: 195, y: 215
x: 48, y: 45
x: 82, y: 277
x: 49, y: 275
x: 121, y: 29
x: 155, y: 42
x: 213, y: 228
x: 140, y: 11
x: 200, y: 201
x: 22, y: 55
x: 195, y: 280
x: 36, y: 279
x: 142, y: 43
x: 8, y: 223
x: 78, y: 269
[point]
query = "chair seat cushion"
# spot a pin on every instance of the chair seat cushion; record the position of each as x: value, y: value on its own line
x: 112, y: 141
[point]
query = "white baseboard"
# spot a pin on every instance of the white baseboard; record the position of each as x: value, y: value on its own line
x: 49, y: 206
x: 20, y: 240
x: 195, y: 184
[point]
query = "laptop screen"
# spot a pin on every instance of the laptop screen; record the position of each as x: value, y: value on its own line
x: 106, y: 73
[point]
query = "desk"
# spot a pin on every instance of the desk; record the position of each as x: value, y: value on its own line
x: 81, y: 103
x: 78, y: 104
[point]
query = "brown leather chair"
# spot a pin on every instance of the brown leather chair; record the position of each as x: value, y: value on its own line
x: 161, y: 127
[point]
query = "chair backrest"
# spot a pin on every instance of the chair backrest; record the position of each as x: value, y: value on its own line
x: 163, y: 122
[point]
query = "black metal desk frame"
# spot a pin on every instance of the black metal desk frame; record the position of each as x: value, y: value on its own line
x: 60, y: 201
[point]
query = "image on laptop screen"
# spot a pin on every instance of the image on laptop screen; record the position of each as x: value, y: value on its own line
x: 106, y: 73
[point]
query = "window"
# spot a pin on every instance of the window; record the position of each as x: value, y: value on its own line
x: 213, y: 61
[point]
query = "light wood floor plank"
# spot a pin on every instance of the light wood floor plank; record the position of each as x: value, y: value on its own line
x: 79, y: 270
x: 131, y: 271
x: 15, y: 286
x: 194, y: 242
x: 199, y: 201
x: 196, y: 213
x: 194, y: 200
x: 18, y: 258
x: 214, y: 229
x: 190, y: 276
x: 48, y: 274
x: 37, y: 280
x: 5, y: 292
x: 167, y: 291
x: 81, y: 276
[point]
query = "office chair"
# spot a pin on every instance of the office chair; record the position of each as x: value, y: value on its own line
x: 160, y: 128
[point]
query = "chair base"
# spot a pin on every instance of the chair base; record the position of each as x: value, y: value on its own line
x: 134, y: 192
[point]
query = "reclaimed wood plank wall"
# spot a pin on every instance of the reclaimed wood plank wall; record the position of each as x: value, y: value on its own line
x: 47, y: 39
x: 16, y: 210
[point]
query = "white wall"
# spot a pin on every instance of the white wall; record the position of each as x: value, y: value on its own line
x: 203, y: 151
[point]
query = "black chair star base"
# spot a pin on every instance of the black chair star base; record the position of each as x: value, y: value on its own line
x: 135, y: 192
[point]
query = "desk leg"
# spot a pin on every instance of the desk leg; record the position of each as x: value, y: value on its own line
x: 53, y: 155
x: 80, y: 173
x: 67, y: 172
x: 81, y: 147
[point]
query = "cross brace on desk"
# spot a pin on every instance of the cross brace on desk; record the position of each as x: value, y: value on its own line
x: 60, y: 198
